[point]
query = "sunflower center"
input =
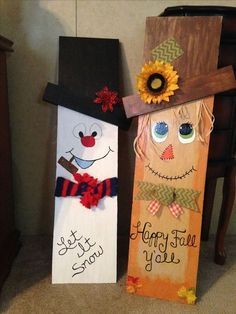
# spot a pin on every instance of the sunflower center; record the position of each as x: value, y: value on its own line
x: 156, y: 83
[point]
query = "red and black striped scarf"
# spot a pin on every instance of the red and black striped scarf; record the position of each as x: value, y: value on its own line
x: 88, y: 187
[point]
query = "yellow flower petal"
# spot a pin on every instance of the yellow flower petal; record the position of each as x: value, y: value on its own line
x: 130, y: 289
x: 182, y: 292
x: 169, y: 84
x: 188, y: 294
x: 191, y: 298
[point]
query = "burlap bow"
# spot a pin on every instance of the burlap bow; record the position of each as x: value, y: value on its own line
x: 174, y: 198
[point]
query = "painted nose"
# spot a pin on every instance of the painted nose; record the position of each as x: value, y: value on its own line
x: 88, y: 141
x: 168, y: 153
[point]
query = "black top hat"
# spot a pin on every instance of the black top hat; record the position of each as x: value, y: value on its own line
x: 88, y: 79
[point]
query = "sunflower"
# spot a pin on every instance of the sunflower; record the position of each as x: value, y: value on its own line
x: 157, y: 81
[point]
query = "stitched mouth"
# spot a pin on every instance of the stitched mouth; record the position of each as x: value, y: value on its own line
x: 86, y: 163
x: 162, y: 176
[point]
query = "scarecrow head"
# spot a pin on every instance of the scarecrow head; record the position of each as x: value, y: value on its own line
x: 170, y: 139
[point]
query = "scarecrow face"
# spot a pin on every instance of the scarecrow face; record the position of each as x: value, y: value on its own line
x: 172, y: 144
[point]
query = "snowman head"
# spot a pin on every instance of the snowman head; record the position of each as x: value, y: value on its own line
x: 92, y: 142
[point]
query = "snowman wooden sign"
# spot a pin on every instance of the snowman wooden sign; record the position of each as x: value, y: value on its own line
x: 89, y: 113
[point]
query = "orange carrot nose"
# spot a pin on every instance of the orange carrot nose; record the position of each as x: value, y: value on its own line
x: 168, y: 153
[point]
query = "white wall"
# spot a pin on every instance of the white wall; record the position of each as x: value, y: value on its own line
x: 34, y: 26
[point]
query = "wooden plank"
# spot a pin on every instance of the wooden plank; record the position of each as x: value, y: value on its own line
x: 84, y: 240
x: 190, y: 33
x: 164, y: 250
x: 190, y: 89
x: 59, y: 95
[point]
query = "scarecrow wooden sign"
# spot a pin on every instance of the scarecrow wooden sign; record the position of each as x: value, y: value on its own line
x: 175, y: 120
x: 89, y: 113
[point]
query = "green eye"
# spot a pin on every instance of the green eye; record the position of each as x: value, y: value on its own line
x: 160, y: 132
x: 186, y: 133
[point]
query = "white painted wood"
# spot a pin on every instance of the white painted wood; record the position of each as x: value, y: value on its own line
x: 73, y: 220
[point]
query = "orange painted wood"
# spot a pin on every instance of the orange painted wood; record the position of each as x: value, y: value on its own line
x: 164, y: 250
x: 190, y: 89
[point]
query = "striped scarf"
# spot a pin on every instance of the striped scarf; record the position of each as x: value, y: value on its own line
x: 87, y: 187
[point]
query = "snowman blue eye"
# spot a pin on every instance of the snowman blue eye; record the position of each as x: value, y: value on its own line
x: 186, y: 133
x: 160, y: 131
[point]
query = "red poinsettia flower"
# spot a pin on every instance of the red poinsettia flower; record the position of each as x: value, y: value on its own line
x: 85, y: 178
x: 107, y: 99
x: 90, y: 198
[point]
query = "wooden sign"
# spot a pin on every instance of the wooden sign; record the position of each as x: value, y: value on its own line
x: 199, y: 86
x: 172, y: 148
x: 89, y: 113
x: 84, y: 240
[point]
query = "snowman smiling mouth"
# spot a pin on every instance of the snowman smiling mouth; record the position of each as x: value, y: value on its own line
x: 86, y: 163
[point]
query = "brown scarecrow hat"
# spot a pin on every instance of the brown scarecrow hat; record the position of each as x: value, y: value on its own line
x: 172, y: 73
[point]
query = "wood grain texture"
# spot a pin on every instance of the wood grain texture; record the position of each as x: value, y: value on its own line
x: 193, y: 34
x: 224, y: 112
x: 196, y: 87
x: 199, y: 38
x: 92, y: 256
x: 93, y: 261
x: 67, y: 165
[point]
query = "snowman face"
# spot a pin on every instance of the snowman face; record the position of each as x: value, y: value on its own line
x: 85, y: 141
x: 90, y: 144
x: 172, y: 145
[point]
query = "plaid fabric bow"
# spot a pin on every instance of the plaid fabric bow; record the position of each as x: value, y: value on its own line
x: 174, y: 198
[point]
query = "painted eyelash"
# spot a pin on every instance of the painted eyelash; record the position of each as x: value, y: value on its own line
x: 189, y: 122
x: 160, y: 122
x: 193, y: 126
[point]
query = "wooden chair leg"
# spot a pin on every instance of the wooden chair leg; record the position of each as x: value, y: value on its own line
x: 226, y: 210
x: 207, y: 207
